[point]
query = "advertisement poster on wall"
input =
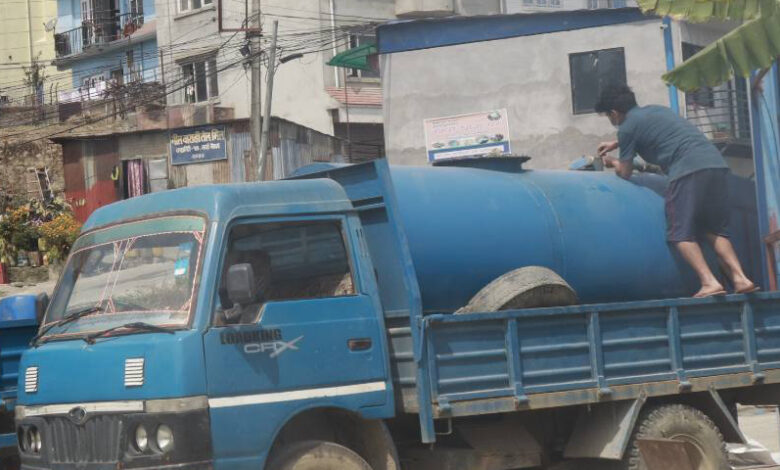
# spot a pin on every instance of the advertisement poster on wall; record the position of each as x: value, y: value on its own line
x: 467, y: 135
x: 197, y: 145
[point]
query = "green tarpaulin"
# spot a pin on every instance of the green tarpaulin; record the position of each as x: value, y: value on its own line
x: 355, y: 58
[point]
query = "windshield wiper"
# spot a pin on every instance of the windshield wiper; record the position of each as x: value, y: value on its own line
x: 69, y: 317
x: 136, y: 326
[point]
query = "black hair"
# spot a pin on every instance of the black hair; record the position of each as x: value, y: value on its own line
x: 616, y: 97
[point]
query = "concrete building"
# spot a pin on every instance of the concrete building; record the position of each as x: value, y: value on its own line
x: 334, y: 100
x: 105, y: 43
x: 26, y: 38
x: 307, y: 90
x: 543, y: 73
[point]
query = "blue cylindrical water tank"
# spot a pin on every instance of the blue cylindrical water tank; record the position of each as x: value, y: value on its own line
x: 605, y: 236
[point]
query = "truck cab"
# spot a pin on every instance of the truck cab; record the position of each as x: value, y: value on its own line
x: 180, y: 314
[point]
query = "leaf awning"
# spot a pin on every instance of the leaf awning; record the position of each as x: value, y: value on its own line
x: 753, y: 45
x: 355, y: 58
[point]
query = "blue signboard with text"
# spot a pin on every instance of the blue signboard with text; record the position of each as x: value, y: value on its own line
x: 198, y: 144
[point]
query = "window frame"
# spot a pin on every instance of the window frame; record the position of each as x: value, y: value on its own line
x: 356, y: 75
x: 189, y: 8
x: 349, y: 250
x: 211, y: 77
x: 704, y: 97
x: 578, y: 112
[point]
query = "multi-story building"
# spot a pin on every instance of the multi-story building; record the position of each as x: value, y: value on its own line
x: 342, y: 101
x: 337, y: 101
x: 26, y: 39
x: 104, y: 43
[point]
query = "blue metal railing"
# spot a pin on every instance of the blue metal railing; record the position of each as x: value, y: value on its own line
x: 97, y: 31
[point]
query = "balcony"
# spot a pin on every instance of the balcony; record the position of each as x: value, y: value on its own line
x: 96, y: 32
x: 724, y: 117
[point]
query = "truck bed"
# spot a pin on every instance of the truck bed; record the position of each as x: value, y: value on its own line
x: 548, y: 357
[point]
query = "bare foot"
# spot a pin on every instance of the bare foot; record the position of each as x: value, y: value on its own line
x: 709, y: 291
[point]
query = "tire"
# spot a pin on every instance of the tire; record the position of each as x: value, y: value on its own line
x: 527, y: 287
x: 684, y: 423
x: 318, y: 455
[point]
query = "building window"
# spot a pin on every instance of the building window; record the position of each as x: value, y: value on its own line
x: 137, y: 8
x: 88, y: 159
x: 188, y: 5
x: 200, y: 78
x: 597, y: 4
x: 703, y: 97
x: 357, y: 40
x: 593, y: 71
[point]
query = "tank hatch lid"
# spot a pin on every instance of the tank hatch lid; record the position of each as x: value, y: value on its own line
x: 507, y: 163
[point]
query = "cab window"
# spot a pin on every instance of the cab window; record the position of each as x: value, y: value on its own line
x: 282, y: 261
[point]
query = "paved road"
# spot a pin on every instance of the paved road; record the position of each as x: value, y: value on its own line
x: 763, y: 425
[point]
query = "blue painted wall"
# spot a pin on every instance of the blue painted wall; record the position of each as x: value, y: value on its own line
x: 69, y: 12
x: 68, y: 15
x: 145, y: 57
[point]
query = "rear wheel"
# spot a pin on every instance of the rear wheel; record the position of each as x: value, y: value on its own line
x: 682, y: 423
x: 318, y: 455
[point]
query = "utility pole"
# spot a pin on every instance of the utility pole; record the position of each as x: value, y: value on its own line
x: 254, y: 25
x: 269, y: 90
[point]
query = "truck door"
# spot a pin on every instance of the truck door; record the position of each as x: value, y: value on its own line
x: 312, y: 335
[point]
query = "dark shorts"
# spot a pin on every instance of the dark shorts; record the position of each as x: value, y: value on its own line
x: 697, y: 204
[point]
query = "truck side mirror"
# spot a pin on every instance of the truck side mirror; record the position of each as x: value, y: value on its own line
x: 241, y: 285
x: 41, y: 304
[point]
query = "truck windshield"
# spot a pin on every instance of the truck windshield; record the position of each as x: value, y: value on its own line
x: 143, y: 271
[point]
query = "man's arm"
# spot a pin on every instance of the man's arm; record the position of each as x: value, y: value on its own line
x: 606, y: 147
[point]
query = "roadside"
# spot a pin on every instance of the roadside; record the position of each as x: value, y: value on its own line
x: 19, y: 288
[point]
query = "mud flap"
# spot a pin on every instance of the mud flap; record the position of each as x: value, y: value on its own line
x: 603, y: 430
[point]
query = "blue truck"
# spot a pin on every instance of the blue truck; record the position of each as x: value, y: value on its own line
x: 19, y: 318
x: 347, y: 319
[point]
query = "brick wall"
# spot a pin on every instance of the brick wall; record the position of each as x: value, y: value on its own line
x: 16, y: 157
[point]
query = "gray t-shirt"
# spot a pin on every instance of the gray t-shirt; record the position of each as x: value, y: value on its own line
x: 665, y: 139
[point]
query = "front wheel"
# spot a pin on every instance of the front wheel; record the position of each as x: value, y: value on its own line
x: 682, y: 423
x: 318, y: 455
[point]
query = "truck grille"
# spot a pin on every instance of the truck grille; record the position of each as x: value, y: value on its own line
x: 97, y: 440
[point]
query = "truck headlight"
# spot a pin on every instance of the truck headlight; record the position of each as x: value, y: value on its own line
x: 141, y: 438
x: 35, y: 440
x: 164, y: 438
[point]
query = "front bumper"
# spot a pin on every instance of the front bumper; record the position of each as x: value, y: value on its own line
x: 102, y: 438
x: 113, y: 466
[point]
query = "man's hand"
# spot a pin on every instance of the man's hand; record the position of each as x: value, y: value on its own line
x: 606, y: 147
x: 609, y: 162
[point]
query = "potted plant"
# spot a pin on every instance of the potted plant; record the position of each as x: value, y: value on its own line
x: 59, y: 234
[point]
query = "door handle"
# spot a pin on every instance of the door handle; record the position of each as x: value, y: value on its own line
x: 359, y: 344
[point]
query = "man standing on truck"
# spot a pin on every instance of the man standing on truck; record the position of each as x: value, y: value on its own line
x: 697, y: 195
